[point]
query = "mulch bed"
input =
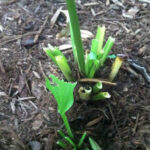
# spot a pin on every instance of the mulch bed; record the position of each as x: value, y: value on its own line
x: 28, y: 112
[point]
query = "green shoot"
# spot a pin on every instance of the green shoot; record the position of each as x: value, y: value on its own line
x: 61, y: 133
x: 82, y: 139
x: 94, y: 145
x: 100, y: 37
x: 98, y: 54
x: 63, y: 93
x: 107, y: 48
x: 60, y: 60
x: 63, y: 65
x: 100, y: 96
x: 61, y: 144
x: 70, y: 142
x: 97, y: 87
x: 115, y: 68
x: 89, y: 64
x: 76, y: 35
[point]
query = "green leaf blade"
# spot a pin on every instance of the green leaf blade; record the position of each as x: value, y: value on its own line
x: 63, y: 93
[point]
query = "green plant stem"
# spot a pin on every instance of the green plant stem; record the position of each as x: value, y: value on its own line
x: 63, y: 65
x: 97, y: 87
x: 64, y: 117
x: 107, y: 48
x: 61, y: 144
x: 100, y: 96
x: 82, y: 139
x: 76, y: 33
x: 100, y: 37
x: 71, y: 142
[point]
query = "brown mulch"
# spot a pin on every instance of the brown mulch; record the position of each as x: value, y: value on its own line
x: 28, y: 111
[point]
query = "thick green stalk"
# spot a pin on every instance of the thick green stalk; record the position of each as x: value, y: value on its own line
x: 97, y: 87
x: 64, y: 117
x: 94, y: 68
x: 100, y: 37
x: 101, y: 95
x: 76, y: 33
x: 84, y: 93
x: 64, y: 67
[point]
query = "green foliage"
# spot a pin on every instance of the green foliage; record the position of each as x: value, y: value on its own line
x: 93, y: 94
x: 76, y: 35
x: 63, y: 93
x: 94, y: 60
x: 60, y: 60
x: 94, y: 145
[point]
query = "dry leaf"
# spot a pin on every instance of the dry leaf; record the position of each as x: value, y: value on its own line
x: 65, y: 46
x: 1, y: 28
x: 37, y: 123
x: 85, y: 34
x: 130, y: 13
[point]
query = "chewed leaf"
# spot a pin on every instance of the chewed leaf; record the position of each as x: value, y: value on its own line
x: 63, y: 93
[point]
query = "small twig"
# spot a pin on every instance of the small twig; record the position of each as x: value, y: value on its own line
x: 114, y: 120
x: 97, y: 80
x: 41, y: 29
x: 7, y: 2
x: 2, y: 67
x: 135, y: 127
x: 26, y: 98
x: 14, y: 38
x: 140, y: 69
x: 41, y: 68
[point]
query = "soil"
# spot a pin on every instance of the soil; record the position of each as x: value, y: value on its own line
x: 28, y: 112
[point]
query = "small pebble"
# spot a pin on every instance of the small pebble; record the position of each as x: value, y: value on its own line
x: 35, y: 145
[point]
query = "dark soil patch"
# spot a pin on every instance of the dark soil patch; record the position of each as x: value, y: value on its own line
x: 28, y: 112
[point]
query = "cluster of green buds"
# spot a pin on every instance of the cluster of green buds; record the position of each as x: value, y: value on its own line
x: 93, y: 93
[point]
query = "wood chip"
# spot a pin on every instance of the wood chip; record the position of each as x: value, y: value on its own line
x: 93, y: 122
x: 55, y: 17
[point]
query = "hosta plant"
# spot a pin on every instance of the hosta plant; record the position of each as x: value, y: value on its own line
x: 63, y: 94
x: 88, y: 64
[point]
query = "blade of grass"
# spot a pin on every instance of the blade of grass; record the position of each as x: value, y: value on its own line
x: 70, y: 141
x: 82, y: 139
x: 73, y: 44
x: 61, y: 133
x: 94, y: 145
x: 61, y: 144
x: 76, y: 34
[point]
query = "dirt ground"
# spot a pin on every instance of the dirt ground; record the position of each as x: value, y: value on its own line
x: 28, y: 112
